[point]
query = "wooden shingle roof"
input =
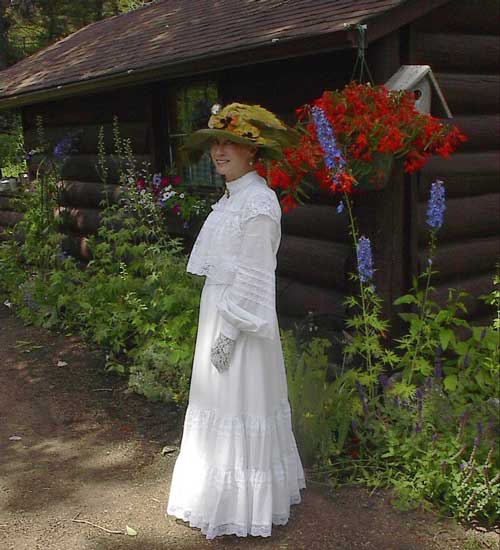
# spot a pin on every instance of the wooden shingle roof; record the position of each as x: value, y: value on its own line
x: 168, y: 36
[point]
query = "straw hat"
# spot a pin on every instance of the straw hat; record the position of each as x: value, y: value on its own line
x: 247, y: 124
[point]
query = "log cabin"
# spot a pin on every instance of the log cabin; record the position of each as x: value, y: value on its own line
x: 156, y: 67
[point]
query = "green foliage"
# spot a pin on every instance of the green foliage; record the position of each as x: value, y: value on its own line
x: 421, y: 417
x: 12, y: 161
x: 33, y: 25
x: 133, y: 299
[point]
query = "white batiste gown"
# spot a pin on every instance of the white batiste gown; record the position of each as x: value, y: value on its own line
x: 238, y: 469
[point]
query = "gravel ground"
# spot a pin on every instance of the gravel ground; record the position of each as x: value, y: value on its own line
x: 76, y: 445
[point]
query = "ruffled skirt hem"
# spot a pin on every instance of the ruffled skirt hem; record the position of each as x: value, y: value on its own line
x: 198, y: 522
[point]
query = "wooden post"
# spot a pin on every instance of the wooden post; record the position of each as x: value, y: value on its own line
x: 383, y: 215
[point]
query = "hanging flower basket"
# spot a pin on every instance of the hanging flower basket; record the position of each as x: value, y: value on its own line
x: 374, y: 175
x: 351, y: 137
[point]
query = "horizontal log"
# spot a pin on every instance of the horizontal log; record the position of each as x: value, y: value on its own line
x: 461, y: 185
x: 4, y: 236
x: 463, y: 257
x: 87, y: 194
x: 6, y: 203
x: 76, y: 245
x: 314, y: 261
x: 86, y: 168
x: 460, y: 53
x: 296, y: 299
x: 9, y: 218
x: 462, y: 173
x: 475, y: 286
x: 316, y: 221
x: 128, y: 104
x: 464, y: 218
x: 463, y: 17
x: 483, y: 320
x: 481, y: 131
x: 85, y: 138
x: 81, y: 220
x: 470, y: 93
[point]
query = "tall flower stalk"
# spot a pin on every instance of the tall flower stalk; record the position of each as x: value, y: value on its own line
x: 435, y: 216
x: 369, y: 303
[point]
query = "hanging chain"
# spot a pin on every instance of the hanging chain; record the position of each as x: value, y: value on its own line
x: 361, y: 66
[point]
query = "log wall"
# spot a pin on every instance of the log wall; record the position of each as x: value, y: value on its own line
x: 82, y: 185
x: 460, y: 42
x: 315, y: 253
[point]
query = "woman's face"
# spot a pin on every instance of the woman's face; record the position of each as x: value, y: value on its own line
x: 230, y: 159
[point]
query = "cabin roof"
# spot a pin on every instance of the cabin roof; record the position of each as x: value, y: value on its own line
x: 167, y: 38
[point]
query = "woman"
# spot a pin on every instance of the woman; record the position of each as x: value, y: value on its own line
x: 238, y: 469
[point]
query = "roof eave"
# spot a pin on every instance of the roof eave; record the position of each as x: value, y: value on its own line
x: 283, y: 49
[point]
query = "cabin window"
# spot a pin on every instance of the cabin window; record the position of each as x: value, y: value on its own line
x: 189, y: 111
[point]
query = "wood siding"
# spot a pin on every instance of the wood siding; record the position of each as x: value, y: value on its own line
x: 460, y: 42
x: 82, y: 188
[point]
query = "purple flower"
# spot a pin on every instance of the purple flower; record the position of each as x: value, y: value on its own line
x: 63, y: 148
x: 438, y: 370
x: 395, y: 401
x: 157, y: 180
x: 418, y: 428
x: 362, y: 396
x: 332, y: 154
x: 428, y: 382
x: 464, y: 418
x: 420, y: 398
x: 340, y: 207
x: 436, y: 205
x: 365, y: 261
x: 384, y: 380
x: 434, y: 437
x: 462, y: 466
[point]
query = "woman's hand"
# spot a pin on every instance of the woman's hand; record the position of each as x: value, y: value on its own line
x: 221, y: 352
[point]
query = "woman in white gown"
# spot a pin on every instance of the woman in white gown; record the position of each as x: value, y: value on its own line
x: 238, y: 469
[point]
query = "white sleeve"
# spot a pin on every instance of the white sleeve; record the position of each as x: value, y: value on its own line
x: 249, y: 303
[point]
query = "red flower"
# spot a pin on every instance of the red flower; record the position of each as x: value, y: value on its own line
x: 176, y: 180
x: 165, y: 181
x: 288, y: 203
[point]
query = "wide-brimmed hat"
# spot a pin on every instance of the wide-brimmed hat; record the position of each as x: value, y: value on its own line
x: 247, y: 124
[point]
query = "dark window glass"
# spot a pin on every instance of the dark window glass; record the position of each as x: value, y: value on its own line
x: 190, y: 111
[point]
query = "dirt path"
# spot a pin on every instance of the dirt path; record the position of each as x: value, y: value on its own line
x: 88, y: 447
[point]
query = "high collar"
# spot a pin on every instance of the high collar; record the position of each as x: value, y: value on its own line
x: 237, y: 185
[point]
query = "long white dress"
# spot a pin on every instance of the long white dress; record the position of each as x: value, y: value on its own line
x: 238, y: 469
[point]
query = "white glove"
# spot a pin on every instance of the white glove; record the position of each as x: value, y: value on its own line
x: 221, y: 352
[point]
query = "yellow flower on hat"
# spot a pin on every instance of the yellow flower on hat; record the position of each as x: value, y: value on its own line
x: 246, y: 124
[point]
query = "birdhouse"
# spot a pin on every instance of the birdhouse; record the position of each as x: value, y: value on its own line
x: 420, y: 80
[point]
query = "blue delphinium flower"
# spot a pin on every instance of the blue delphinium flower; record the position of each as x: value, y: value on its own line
x: 63, y: 148
x: 340, y: 207
x: 436, y: 205
x: 362, y: 396
x: 333, y: 155
x: 365, y: 261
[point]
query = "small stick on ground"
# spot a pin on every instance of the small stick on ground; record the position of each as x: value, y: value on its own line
x: 95, y: 525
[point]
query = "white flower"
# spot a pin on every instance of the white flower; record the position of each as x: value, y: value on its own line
x: 181, y: 195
